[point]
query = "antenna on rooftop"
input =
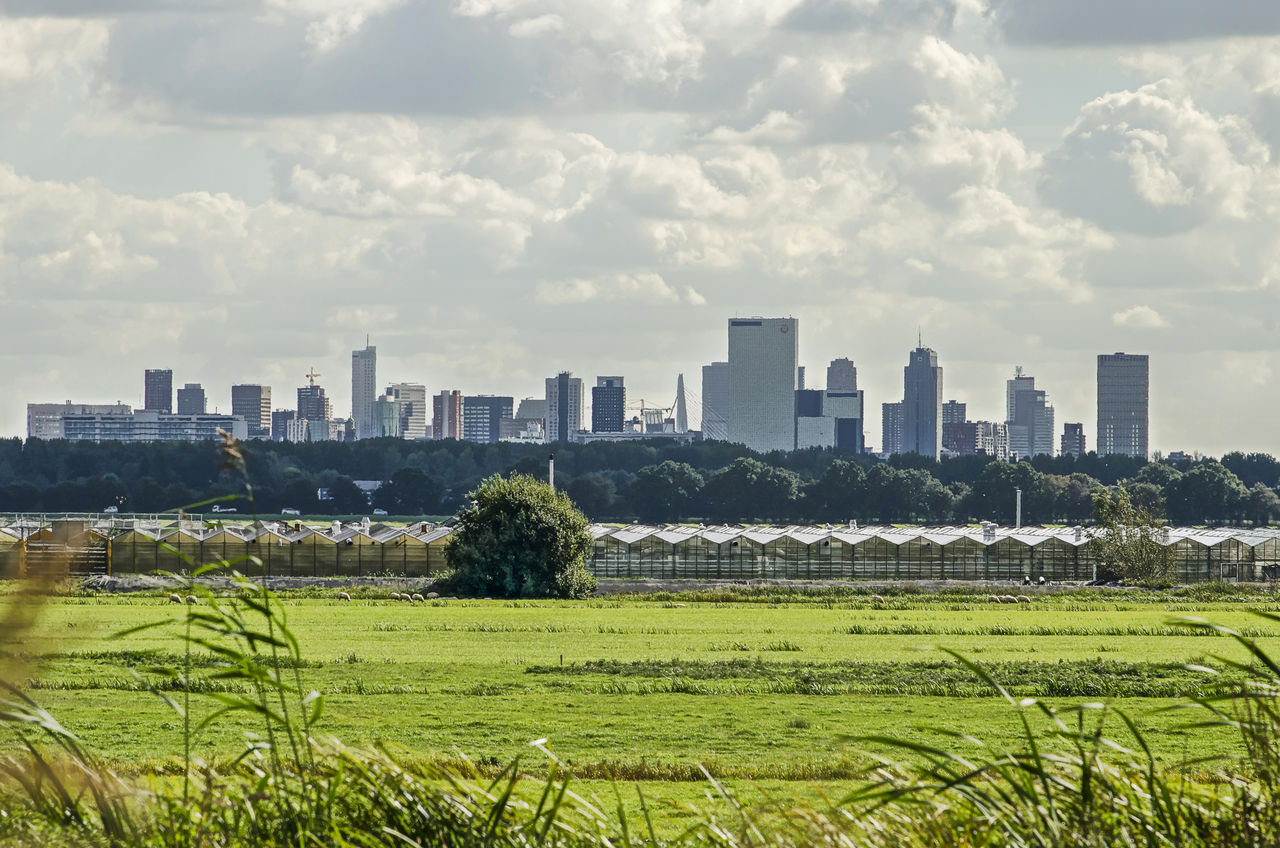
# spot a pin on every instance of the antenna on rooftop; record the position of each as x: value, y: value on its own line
x: 919, y: 336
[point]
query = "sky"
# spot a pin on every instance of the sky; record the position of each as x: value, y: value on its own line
x: 497, y: 190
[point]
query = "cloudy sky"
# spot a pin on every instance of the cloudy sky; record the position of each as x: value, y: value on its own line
x: 495, y: 190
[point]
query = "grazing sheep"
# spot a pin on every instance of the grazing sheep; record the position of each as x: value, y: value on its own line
x: 1023, y: 599
x: 431, y: 596
x: 395, y: 596
x: 343, y: 596
x: 405, y: 596
x: 192, y: 599
x: 877, y: 600
x: 175, y: 599
x: 416, y: 598
x: 1008, y: 599
x: 993, y: 599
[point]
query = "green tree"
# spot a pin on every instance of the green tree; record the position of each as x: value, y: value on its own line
x: 1207, y: 493
x: 1128, y: 541
x: 1262, y: 505
x: 410, y: 491
x: 667, y: 491
x: 594, y: 494
x: 521, y: 538
x: 750, y: 490
x: 347, y: 498
x: 838, y: 495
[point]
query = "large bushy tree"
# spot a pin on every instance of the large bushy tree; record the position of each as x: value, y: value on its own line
x: 521, y: 538
x: 1128, y: 543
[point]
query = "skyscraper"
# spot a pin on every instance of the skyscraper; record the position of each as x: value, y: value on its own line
x: 253, y: 403
x: 842, y: 376
x: 389, y: 416
x: 446, y: 420
x: 891, y: 427
x: 715, y: 401
x: 564, y: 406
x: 413, y: 409
x: 1124, y: 382
x: 608, y: 405
x: 364, y: 389
x: 922, y: 404
x: 158, y: 390
x: 955, y: 436
x: 191, y: 400
x: 482, y: 417
x: 1029, y: 417
x: 762, y: 382
x: 1073, y: 443
x: 313, y: 404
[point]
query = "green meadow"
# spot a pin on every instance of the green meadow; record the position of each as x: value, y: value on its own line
x: 774, y: 697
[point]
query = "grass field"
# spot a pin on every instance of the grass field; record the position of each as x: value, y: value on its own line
x: 770, y: 696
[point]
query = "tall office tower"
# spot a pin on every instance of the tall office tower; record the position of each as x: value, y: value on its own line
x: 364, y: 388
x: 413, y: 410
x: 891, y: 427
x: 158, y: 390
x: 253, y: 403
x: 388, y: 416
x: 482, y: 417
x: 954, y: 434
x: 1073, y: 443
x: 922, y: 404
x: 1029, y: 416
x: 715, y: 401
x: 284, y: 425
x: 564, y: 406
x: 608, y: 405
x: 842, y: 376
x: 313, y: 404
x: 1124, y: 382
x: 762, y: 382
x: 446, y: 419
x: 191, y: 400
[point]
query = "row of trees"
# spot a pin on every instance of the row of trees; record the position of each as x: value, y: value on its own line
x: 650, y: 481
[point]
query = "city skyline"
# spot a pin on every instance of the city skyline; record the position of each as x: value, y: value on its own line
x: 757, y: 360
x: 246, y: 214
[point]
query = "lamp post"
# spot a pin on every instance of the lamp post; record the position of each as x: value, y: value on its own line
x: 551, y: 471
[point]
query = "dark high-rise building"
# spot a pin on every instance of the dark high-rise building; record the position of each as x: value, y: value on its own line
x: 158, y: 390
x: 280, y: 420
x: 954, y: 434
x: 313, y: 404
x: 715, y: 401
x: 608, y: 405
x: 809, y: 403
x: 482, y: 417
x: 1029, y: 417
x: 191, y: 400
x: 253, y: 403
x: 891, y: 427
x: 1124, y: 382
x: 1073, y: 443
x: 922, y: 404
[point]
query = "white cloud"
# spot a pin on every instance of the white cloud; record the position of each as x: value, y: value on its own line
x: 1139, y: 318
x: 35, y: 49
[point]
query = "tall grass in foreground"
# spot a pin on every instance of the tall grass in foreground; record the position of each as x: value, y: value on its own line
x: 1071, y: 782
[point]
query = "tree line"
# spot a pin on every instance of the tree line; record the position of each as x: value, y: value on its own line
x: 650, y: 481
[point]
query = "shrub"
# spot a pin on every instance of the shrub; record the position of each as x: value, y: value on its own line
x: 521, y: 538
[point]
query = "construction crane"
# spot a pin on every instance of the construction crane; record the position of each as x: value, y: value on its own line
x: 311, y: 376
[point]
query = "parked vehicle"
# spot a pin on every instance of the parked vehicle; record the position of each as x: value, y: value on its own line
x: 290, y: 511
x: 379, y: 512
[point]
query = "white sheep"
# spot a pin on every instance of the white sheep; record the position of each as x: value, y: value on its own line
x: 395, y: 596
x: 877, y: 600
x: 175, y: 599
x: 192, y: 599
x: 1023, y: 599
x: 993, y: 599
x: 1008, y: 599
x: 431, y: 596
x: 416, y: 598
x: 343, y: 596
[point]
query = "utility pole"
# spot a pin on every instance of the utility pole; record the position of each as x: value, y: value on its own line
x: 551, y: 471
x: 1017, y: 520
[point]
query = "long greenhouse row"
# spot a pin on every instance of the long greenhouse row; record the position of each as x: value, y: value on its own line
x: 638, y: 551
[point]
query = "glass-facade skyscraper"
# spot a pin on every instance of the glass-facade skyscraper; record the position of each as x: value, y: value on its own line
x: 762, y: 382
x: 922, y: 404
x: 1124, y: 380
